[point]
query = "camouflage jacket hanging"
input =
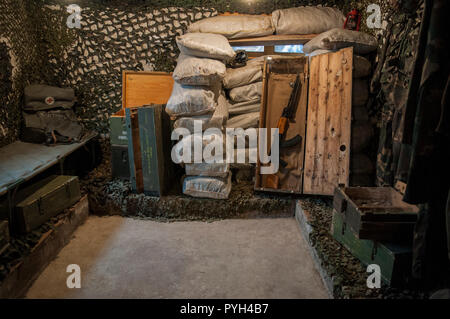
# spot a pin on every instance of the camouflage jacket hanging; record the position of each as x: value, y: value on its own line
x: 391, y: 81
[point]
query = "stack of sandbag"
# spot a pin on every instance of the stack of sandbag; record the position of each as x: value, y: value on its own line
x: 244, y: 87
x: 362, y: 166
x: 198, y: 96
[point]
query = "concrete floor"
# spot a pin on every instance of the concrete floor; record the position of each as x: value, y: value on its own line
x: 127, y: 258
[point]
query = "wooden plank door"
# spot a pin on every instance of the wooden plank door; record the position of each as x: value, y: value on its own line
x: 327, y: 155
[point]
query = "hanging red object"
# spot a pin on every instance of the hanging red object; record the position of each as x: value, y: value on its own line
x: 353, y: 20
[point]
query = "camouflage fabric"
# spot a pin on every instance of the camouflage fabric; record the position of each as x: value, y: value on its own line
x: 426, y: 132
x: 391, y: 81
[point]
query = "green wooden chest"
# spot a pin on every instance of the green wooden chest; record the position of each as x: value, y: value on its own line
x: 43, y: 200
x: 118, y: 130
x: 4, y: 235
x: 376, y: 213
x: 151, y: 166
x: 394, y: 259
x: 120, y: 165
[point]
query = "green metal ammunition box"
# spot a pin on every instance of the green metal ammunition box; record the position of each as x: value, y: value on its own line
x: 394, y: 259
x: 47, y: 198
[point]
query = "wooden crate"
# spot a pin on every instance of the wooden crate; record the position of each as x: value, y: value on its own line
x: 149, y: 152
x: 118, y: 128
x: 323, y: 120
x: 41, y: 201
x: 139, y: 88
x: 394, y: 259
x: 327, y: 155
x: 4, y: 235
x: 277, y: 76
x: 376, y: 213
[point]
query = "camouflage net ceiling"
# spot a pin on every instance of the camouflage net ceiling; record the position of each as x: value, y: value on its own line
x: 114, y: 36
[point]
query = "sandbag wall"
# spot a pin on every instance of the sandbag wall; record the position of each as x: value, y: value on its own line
x: 362, y: 166
x: 199, y: 106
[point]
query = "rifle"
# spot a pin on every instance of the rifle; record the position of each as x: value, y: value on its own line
x: 289, y: 112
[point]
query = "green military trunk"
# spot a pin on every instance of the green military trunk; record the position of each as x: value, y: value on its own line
x: 43, y: 200
x: 376, y: 213
x: 394, y: 259
x: 151, y: 166
x: 4, y: 235
x: 118, y: 134
x: 120, y: 165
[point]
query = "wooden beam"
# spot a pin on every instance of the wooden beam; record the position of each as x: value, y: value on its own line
x: 271, y: 40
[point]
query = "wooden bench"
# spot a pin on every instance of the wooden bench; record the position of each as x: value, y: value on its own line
x: 20, y: 161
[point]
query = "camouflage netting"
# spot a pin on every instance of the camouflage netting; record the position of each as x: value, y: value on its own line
x: 113, y: 37
x: 26, y: 32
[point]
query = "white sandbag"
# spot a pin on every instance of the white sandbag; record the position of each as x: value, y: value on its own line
x: 188, y: 122
x: 206, y: 45
x: 207, y: 187
x: 235, y: 27
x: 339, y: 38
x: 244, y: 107
x: 244, y: 121
x: 190, y: 101
x: 205, y: 169
x: 248, y: 74
x: 198, y: 71
x: 220, y: 115
x: 246, y: 93
x: 188, y: 142
x: 307, y: 20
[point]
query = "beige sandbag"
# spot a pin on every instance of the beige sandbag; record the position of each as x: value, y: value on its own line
x: 220, y: 116
x: 360, y: 92
x: 244, y: 107
x: 246, y: 93
x: 248, y: 74
x: 360, y: 113
x: 198, y: 71
x: 244, y: 121
x: 235, y: 27
x: 205, y: 169
x: 361, y: 164
x: 205, y: 45
x: 361, y: 66
x: 361, y: 137
x: 207, y: 139
x: 188, y: 122
x: 339, y: 38
x: 207, y: 187
x: 190, y: 101
x: 307, y: 20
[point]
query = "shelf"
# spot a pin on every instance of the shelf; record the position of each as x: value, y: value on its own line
x: 271, y: 40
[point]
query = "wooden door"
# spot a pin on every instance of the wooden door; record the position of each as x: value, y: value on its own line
x: 327, y: 154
